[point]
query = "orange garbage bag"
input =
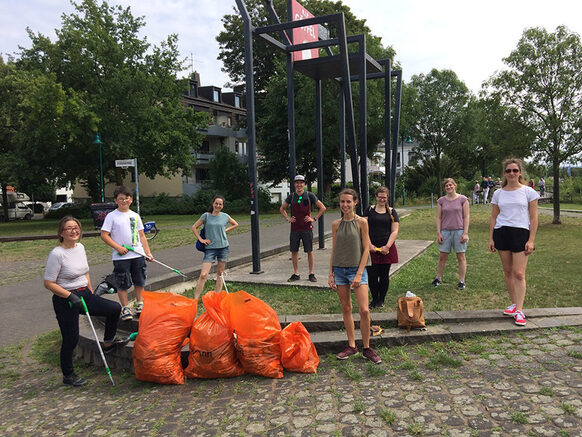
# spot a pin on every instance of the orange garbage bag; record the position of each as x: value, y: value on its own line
x: 212, y: 353
x: 260, y: 356
x: 298, y: 353
x: 249, y: 316
x: 164, y: 324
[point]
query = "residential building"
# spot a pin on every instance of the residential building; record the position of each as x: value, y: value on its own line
x: 228, y: 111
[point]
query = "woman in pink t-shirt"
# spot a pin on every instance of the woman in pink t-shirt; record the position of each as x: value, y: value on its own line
x: 452, y: 224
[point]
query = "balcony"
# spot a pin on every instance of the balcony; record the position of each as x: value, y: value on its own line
x: 203, y: 158
x: 224, y: 131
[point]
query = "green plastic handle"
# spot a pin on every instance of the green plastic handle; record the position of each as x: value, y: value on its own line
x: 128, y: 248
x: 84, y: 305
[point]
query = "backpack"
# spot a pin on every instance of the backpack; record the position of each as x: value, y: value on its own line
x: 107, y: 286
x: 202, y: 247
x: 409, y: 313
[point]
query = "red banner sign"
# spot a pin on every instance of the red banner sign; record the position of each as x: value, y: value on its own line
x: 305, y: 33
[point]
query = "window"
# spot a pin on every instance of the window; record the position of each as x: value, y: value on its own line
x: 202, y: 174
x: 398, y: 162
x: 205, y: 147
x: 237, y: 101
x: 216, y: 96
x: 236, y: 150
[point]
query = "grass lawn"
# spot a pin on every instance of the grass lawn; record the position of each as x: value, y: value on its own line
x: 175, y: 231
x: 575, y: 206
x: 553, y: 273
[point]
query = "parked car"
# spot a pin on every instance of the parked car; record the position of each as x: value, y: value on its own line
x: 59, y: 205
x: 37, y: 207
x: 16, y: 211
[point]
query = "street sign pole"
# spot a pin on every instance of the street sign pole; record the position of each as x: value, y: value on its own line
x: 124, y: 163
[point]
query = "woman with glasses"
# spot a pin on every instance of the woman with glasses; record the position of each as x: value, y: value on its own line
x: 383, y: 224
x: 67, y: 276
x: 512, y: 231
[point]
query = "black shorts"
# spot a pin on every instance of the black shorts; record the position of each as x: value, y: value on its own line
x: 509, y: 238
x: 297, y: 236
x: 130, y: 272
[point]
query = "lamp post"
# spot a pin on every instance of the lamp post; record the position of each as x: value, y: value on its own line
x: 408, y: 140
x: 97, y: 141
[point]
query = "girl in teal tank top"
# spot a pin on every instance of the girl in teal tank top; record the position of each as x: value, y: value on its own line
x: 347, y: 269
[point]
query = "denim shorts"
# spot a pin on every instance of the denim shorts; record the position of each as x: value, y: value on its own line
x: 128, y: 270
x: 345, y: 275
x: 452, y: 240
x: 220, y: 255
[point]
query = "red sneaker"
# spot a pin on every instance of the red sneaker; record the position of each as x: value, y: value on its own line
x: 519, y: 318
x: 510, y: 310
x: 371, y: 355
x: 347, y: 352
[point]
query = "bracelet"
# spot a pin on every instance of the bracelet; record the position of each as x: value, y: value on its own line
x: 331, y: 275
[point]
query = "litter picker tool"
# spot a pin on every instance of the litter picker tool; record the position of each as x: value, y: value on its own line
x: 155, y: 260
x: 223, y: 281
x: 97, y: 341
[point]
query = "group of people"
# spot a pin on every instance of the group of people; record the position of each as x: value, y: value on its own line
x: 67, y: 272
x: 512, y: 230
x: 67, y: 277
x: 363, y: 251
x: 484, y: 190
x: 541, y: 185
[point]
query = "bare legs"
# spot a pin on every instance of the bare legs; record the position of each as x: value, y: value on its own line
x: 295, y: 262
x: 220, y: 266
x: 514, y: 265
x: 443, y: 262
x: 361, y: 292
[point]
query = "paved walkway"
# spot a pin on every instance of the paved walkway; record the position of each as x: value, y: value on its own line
x: 529, y: 384
x: 524, y: 384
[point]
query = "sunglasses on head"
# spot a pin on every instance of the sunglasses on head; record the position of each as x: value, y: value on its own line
x: 510, y: 170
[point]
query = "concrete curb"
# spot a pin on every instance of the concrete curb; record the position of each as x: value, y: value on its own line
x: 328, y: 336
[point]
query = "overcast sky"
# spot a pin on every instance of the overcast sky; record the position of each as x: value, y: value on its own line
x: 469, y: 37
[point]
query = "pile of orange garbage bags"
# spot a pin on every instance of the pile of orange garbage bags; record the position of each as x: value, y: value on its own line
x: 237, y: 334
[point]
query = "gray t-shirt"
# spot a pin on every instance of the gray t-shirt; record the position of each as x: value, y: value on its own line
x: 215, y: 228
x: 68, y: 267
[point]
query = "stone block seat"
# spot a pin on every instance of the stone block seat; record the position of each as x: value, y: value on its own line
x: 327, y: 330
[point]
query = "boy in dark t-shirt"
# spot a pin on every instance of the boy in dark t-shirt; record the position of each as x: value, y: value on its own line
x: 301, y: 203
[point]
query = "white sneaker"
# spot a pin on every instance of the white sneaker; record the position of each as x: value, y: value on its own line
x: 139, y: 308
x: 126, y: 313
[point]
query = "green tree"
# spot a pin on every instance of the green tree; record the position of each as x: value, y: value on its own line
x: 493, y: 132
x: 228, y: 174
x: 271, y: 94
x: 128, y: 84
x: 543, y: 83
x: 438, y: 114
x: 40, y: 124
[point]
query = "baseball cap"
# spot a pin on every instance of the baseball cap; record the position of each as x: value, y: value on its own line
x: 300, y: 177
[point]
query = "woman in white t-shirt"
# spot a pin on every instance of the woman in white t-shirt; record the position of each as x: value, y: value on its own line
x: 67, y: 277
x: 512, y: 231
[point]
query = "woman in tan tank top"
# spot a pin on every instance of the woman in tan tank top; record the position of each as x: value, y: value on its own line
x: 347, y: 270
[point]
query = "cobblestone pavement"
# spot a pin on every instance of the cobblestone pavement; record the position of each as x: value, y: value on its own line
x: 526, y: 384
